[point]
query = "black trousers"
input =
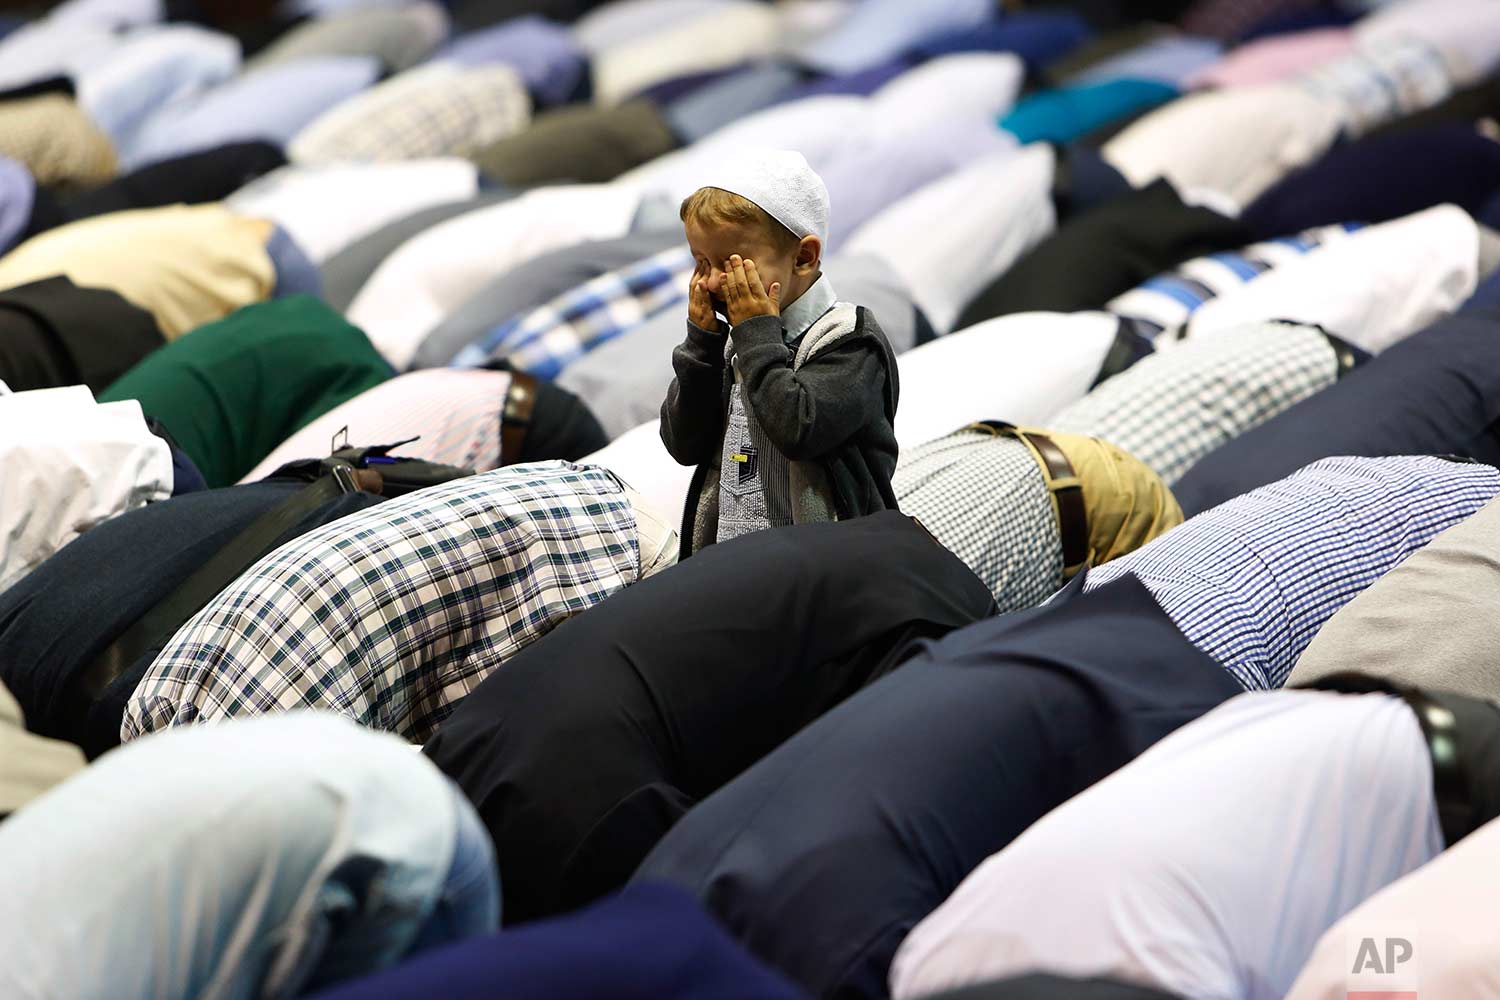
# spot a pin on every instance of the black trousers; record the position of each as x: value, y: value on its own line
x: 1435, y: 393
x: 823, y: 856
x: 584, y: 749
x: 1043, y: 987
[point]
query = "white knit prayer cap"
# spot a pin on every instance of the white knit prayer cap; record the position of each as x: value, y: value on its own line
x: 782, y: 184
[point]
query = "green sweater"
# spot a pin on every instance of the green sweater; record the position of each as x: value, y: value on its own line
x: 233, y: 390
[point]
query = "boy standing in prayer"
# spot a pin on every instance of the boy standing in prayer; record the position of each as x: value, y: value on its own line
x: 787, y: 404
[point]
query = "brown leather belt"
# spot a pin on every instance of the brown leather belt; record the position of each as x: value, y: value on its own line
x: 1064, y: 485
x: 515, y: 418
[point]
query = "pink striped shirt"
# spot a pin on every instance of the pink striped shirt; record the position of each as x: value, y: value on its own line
x: 456, y: 412
x: 1277, y: 58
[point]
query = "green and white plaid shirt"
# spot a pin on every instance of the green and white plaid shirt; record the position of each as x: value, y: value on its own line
x: 392, y: 615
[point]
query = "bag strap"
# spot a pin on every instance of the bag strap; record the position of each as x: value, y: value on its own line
x: 190, y: 596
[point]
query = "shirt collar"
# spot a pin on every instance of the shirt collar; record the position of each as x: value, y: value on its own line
x: 798, y: 318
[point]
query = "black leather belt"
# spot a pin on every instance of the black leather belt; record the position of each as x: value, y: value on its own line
x: 1450, y: 778
x: 1064, y: 485
x: 515, y: 419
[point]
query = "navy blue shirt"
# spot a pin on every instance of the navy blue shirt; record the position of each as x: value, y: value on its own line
x: 64, y: 613
x: 647, y: 943
x: 1380, y: 178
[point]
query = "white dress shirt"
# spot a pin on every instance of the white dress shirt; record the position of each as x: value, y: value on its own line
x: 918, y: 128
x: 877, y: 31
x: 1210, y: 866
x: 885, y: 165
x: 52, y: 47
x: 803, y: 21
x: 436, y: 271
x: 951, y: 238
x: 656, y: 486
x: 641, y: 461
x: 110, y: 13
x: 269, y: 104
x: 70, y: 463
x: 1160, y: 305
x: 831, y: 129
x: 817, y: 127
x: 454, y: 413
x: 326, y: 208
x: 728, y: 34
x: 1238, y: 141
x: 656, y: 533
x: 1372, y: 288
x: 962, y: 86
x: 1022, y: 368
x: 1446, y: 910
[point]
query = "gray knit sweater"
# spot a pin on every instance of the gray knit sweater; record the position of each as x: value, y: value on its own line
x: 826, y: 403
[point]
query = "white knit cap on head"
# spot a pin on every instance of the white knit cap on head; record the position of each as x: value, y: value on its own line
x: 782, y: 184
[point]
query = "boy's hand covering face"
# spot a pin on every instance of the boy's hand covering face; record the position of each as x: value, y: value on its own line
x: 744, y: 296
x: 700, y: 303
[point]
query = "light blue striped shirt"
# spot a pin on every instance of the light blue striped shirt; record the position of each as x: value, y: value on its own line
x: 1252, y: 580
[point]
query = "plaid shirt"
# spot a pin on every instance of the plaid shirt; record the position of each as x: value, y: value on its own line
x: 984, y: 497
x: 1167, y: 301
x: 546, y: 340
x: 393, y: 615
x: 1173, y: 407
x: 1252, y: 580
x: 438, y: 110
x: 1382, y: 82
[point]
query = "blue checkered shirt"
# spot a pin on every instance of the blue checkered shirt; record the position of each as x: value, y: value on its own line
x: 392, y: 615
x: 549, y: 338
x: 1251, y: 581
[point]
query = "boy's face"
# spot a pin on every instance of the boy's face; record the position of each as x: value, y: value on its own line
x: 712, y: 248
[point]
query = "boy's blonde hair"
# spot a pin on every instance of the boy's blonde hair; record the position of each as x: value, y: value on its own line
x: 710, y: 206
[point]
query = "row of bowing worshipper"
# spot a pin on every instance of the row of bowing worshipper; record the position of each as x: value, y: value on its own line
x: 1059, y: 559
